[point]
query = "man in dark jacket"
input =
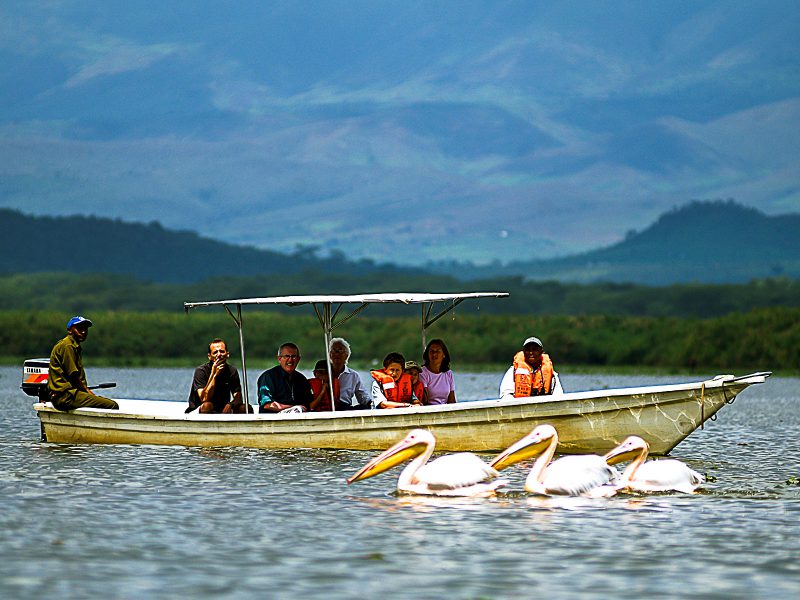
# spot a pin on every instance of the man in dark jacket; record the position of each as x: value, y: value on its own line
x: 283, y: 388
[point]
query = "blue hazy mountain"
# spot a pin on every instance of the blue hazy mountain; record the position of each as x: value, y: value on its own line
x: 708, y: 242
x: 705, y: 242
x: 399, y: 131
x: 150, y: 252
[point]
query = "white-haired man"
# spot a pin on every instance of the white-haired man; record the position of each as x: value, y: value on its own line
x: 352, y: 392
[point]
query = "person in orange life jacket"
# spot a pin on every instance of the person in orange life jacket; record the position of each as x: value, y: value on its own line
x: 532, y: 373
x: 321, y: 390
x: 413, y: 370
x: 391, y: 387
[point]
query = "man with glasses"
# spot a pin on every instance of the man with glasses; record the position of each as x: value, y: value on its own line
x: 283, y: 388
x: 66, y: 379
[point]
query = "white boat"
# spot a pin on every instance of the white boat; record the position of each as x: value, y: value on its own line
x: 587, y: 422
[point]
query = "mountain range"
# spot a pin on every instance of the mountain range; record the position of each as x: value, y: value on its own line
x: 403, y: 132
x: 705, y: 242
x: 708, y: 242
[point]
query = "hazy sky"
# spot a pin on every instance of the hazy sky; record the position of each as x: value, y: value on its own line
x: 401, y: 130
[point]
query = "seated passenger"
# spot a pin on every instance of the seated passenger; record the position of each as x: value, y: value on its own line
x: 392, y: 388
x: 436, y: 376
x: 352, y: 393
x: 413, y: 370
x: 532, y: 373
x: 321, y: 390
x: 215, y: 385
x: 283, y: 388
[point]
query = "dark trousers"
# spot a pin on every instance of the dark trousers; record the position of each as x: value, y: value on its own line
x: 80, y: 399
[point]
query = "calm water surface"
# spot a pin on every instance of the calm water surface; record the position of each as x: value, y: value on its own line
x: 165, y: 522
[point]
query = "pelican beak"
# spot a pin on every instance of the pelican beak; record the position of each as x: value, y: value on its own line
x: 397, y: 454
x: 621, y: 453
x: 630, y: 448
x: 524, y: 449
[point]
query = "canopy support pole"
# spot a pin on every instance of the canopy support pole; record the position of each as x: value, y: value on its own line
x: 441, y: 313
x: 424, y: 329
x: 239, y: 323
x: 427, y: 321
x: 326, y: 320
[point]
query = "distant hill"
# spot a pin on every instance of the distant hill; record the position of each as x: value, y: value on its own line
x: 80, y: 244
x: 708, y: 241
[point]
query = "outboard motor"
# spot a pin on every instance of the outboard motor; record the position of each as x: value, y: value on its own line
x: 34, y: 378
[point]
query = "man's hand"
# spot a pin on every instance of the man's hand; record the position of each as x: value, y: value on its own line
x: 217, y: 367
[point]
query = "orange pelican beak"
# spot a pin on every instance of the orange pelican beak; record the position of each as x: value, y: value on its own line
x: 531, y: 445
x: 399, y: 453
x: 627, y: 450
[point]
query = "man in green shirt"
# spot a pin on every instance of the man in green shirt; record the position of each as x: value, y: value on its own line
x: 66, y: 379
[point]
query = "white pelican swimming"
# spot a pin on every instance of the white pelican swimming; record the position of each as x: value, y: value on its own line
x: 585, y: 475
x: 461, y: 474
x: 653, y: 476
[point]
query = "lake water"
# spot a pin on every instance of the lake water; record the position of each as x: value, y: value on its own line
x: 169, y: 522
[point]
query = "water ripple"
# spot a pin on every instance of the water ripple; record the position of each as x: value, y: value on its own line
x: 164, y: 522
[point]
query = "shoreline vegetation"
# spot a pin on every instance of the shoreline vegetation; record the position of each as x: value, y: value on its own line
x: 91, y: 292
x: 464, y: 368
x: 766, y: 339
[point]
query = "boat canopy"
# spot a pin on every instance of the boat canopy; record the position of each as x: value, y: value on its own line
x: 330, y: 319
x: 405, y: 298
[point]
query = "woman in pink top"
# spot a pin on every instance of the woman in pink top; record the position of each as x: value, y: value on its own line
x: 436, y: 374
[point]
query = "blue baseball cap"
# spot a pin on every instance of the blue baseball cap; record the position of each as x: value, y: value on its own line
x: 78, y: 320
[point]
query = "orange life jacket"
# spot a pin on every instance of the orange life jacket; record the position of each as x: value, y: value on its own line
x: 396, y: 391
x: 418, y: 389
x: 316, y: 387
x: 526, y: 380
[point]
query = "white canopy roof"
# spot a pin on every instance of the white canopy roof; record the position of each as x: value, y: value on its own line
x: 404, y: 297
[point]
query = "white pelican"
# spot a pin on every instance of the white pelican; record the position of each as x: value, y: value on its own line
x: 585, y: 475
x: 461, y: 474
x: 653, y: 476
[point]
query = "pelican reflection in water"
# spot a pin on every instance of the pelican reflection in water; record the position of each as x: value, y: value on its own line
x: 461, y: 474
x: 664, y: 475
x: 585, y: 475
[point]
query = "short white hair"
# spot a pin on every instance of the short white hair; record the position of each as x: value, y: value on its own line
x: 343, y: 342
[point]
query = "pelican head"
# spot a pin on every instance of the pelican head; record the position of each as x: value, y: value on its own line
x: 531, y: 445
x: 415, y: 443
x: 632, y: 447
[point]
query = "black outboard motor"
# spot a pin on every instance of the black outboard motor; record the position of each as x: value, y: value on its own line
x: 34, y: 378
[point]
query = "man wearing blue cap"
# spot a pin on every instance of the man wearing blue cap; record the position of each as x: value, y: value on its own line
x: 66, y: 379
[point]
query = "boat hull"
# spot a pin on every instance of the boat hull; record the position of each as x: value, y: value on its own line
x: 587, y: 422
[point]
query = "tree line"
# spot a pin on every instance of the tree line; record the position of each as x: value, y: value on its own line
x: 73, y: 293
x: 761, y: 339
